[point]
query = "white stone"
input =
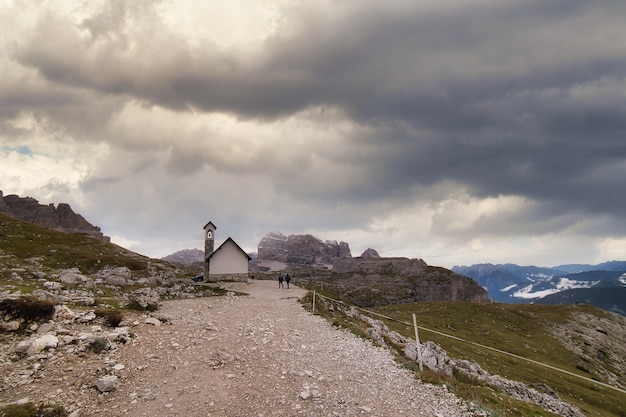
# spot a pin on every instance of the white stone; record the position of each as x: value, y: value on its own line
x: 52, y: 286
x: 10, y: 326
x: 153, y: 321
x: 51, y: 341
x: 45, y: 328
x: 62, y: 312
x: 87, y: 317
x: 106, y: 383
x: 47, y: 341
x: 72, y: 277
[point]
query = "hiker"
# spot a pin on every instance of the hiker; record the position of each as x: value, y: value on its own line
x: 287, y: 279
x: 280, y: 281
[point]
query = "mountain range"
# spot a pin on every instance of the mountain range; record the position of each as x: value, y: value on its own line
x: 602, y: 285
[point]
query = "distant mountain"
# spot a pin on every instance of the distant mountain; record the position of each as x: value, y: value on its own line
x: 185, y: 256
x: 366, y: 280
x: 300, y: 250
x: 605, y: 266
x: 510, y: 283
x: 608, y: 298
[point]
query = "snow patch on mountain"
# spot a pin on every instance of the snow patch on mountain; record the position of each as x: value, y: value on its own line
x: 530, y: 291
x: 527, y: 293
x: 568, y: 284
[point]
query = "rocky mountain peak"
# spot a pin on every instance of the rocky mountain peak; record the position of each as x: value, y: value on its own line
x: 370, y: 253
x: 61, y: 218
x: 185, y: 256
x: 301, y: 249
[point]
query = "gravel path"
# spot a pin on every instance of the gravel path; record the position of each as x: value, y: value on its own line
x: 259, y: 355
x: 262, y: 355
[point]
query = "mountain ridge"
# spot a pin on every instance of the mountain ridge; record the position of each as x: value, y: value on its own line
x: 511, y: 283
x: 60, y: 218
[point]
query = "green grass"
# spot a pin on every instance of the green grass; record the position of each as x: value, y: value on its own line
x: 55, y: 250
x: 521, y: 329
x: 30, y: 254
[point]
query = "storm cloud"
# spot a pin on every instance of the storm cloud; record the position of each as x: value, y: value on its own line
x: 457, y: 132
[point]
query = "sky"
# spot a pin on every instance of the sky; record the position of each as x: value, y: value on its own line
x: 455, y: 131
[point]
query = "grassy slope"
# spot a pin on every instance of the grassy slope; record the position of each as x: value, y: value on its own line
x: 33, y: 252
x: 519, y: 329
x: 21, y: 242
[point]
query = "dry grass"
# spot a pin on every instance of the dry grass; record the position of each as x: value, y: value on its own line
x: 112, y: 318
x: 31, y: 410
x: 27, y: 308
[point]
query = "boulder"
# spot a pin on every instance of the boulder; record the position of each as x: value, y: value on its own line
x: 87, y: 317
x: 52, y: 286
x: 46, y: 341
x: 72, y: 276
x: 106, y: 383
x: 118, y: 276
x: 153, y: 321
x: 145, y: 298
x: 62, y: 312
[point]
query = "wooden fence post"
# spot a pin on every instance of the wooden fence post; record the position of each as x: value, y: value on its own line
x: 417, y: 340
x: 313, y: 306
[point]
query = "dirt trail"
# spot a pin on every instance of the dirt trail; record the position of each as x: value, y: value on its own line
x: 258, y: 355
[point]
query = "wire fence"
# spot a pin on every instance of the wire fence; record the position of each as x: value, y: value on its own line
x: 503, y: 352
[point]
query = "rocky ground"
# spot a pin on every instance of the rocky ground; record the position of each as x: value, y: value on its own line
x: 256, y: 355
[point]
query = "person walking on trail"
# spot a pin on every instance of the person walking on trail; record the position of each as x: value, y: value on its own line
x: 287, y: 280
x: 280, y: 281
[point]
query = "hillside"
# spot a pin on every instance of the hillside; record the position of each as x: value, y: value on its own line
x: 78, y: 268
x: 369, y: 282
x: 579, y: 339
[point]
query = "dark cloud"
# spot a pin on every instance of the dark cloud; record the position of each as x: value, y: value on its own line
x: 409, y: 104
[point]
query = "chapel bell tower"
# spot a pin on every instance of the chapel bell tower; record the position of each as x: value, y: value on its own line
x: 209, y: 245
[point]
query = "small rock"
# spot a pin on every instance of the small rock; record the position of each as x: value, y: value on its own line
x: 47, y: 341
x: 106, y: 383
x: 153, y: 321
x: 23, y: 346
x: 44, y: 328
x: 10, y: 326
x: 62, y: 312
x: 87, y: 317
